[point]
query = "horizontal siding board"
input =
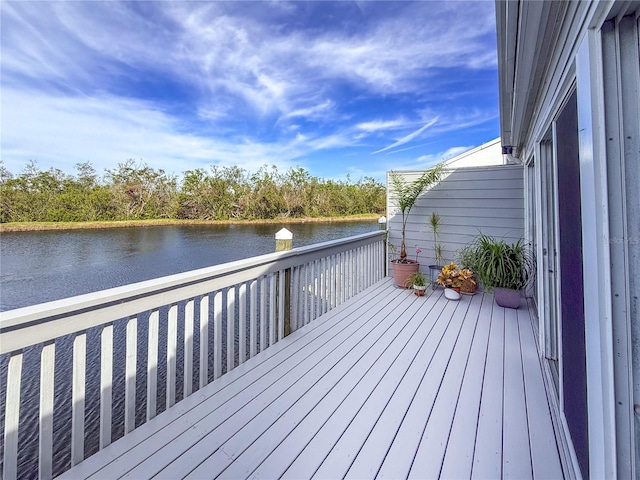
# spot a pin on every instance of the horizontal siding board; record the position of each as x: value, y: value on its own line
x: 497, y: 192
x: 472, y: 173
x: 480, y: 183
x: 498, y: 172
x: 477, y: 212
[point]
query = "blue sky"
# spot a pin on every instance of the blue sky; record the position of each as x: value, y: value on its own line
x: 338, y: 88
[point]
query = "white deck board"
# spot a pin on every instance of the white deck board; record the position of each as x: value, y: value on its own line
x: 430, y: 454
x: 487, y: 458
x: 458, y: 459
x: 545, y: 458
x: 386, y: 385
x: 516, y: 458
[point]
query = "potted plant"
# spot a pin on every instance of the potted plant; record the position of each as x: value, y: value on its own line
x: 466, y: 260
x: 450, y: 279
x: 406, y: 194
x: 418, y: 281
x: 401, y: 269
x: 504, y: 268
x: 434, y: 223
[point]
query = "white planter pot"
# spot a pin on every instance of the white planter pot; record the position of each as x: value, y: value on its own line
x: 451, y: 294
x: 419, y: 290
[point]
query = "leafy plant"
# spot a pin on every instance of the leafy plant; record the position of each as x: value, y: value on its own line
x: 434, y: 223
x: 499, y: 264
x: 407, y: 194
x: 416, y: 279
x: 450, y: 276
x: 466, y: 257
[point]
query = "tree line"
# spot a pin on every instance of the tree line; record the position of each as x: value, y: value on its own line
x: 136, y: 191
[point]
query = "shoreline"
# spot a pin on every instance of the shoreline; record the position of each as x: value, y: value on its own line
x: 44, y: 226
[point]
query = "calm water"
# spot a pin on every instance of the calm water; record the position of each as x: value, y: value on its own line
x: 38, y: 267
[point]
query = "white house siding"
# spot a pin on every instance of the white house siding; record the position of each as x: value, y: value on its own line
x: 546, y: 51
x: 470, y: 201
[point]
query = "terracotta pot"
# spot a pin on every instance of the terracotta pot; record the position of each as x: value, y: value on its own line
x: 507, y: 297
x: 401, y: 271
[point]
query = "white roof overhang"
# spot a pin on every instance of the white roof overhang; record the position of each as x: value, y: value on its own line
x: 527, y: 32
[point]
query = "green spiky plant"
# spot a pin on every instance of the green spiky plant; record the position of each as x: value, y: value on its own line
x: 499, y: 264
x: 407, y: 194
x: 416, y: 279
x: 434, y: 223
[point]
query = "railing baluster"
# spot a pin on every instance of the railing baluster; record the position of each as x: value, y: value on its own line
x: 47, y: 373
x: 131, y: 358
x: 106, y: 384
x: 332, y: 281
x: 263, y: 313
x: 78, y: 397
x: 305, y: 298
x: 253, y: 318
x: 316, y: 289
x: 231, y: 328
x: 295, y: 295
x: 217, y: 335
x: 354, y: 273
x: 281, y: 305
x: 361, y: 271
x: 152, y: 364
x: 373, y: 258
x: 188, y: 348
x: 370, y: 264
x: 366, y: 257
x: 172, y: 347
x: 272, y: 309
x: 326, y: 263
x: 204, y: 340
x: 242, y: 323
x: 349, y: 281
x: 12, y: 416
x: 339, y: 278
x: 321, y: 287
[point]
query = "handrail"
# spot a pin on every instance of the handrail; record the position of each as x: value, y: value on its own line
x: 117, y: 302
x: 251, y: 303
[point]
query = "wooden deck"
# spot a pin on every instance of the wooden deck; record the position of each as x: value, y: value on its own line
x: 387, y: 385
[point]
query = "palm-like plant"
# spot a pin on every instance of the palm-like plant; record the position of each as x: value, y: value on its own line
x: 407, y: 194
x: 434, y: 223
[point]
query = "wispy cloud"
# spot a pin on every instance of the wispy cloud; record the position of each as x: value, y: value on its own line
x: 178, y: 83
x: 408, y: 138
x: 381, y: 125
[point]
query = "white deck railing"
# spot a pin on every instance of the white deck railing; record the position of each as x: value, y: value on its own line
x: 229, y: 313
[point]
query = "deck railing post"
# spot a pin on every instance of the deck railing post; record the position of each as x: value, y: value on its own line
x: 284, y: 242
x: 382, y: 225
